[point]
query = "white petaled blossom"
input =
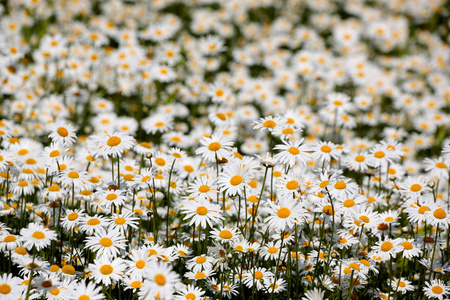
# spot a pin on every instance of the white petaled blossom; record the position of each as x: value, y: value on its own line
x: 107, y: 243
x: 113, y: 144
x: 37, y: 236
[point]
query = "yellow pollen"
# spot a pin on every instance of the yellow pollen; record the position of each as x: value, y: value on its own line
x: 349, y: 203
x: 214, y: 146
x: 140, y: 264
x: 204, y: 189
x: 62, y: 132
x: 407, y: 245
x: 439, y: 213
x: 365, y: 219
x: 226, y: 234
x: 38, y: 235
x: 22, y: 183
x: 288, y: 131
x: 106, y: 242
x: 360, y: 158
x: 160, y: 161
x: 437, y: 289
x: 386, y: 246
x: 190, y: 296
x: 389, y: 219
x: 93, y: 221
x: 53, y: 188
x: 258, y: 275
x: 73, y: 175
x: 283, y: 212
x: 111, y: 197
x: 328, y: 209
x: 120, y: 221
x: 423, y: 209
x: 415, y: 187
x: 106, y: 269
x: 354, y: 266
x: 269, y: 124
x: 200, y: 275
x: 325, y: 148
x: 441, y: 165
x: 201, y: 210
x: 9, y: 239
x: 72, y: 216
x: 113, y: 141
x: 294, y: 150
x: 340, y: 185
x: 68, y: 269
x: 292, y: 185
x: 379, y: 154
x: 272, y: 250
x: 236, y: 180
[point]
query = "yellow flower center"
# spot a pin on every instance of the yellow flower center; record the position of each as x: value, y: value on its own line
x: 360, y: 158
x: 201, y: 210
x: 106, y: 269
x: 204, y: 189
x: 62, y: 132
x: 5, y: 289
x: 120, y: 221
x: 111, y: 197
x: 113, y: 141
x: 365, y: 219
x: 136, y: 284
x: 439, y: 213
x: 415, y: 187
x: 379, y: 154
x: 269, y: 124
x: 140, y: 264
x: 325, y: 148
x: 386, y: 246
x: 441, y: 165
x: 437, y: 289
x: 38, y: 235
x: 294, y: 150
x: 55, y: 153
x: 9, y: 239
x: 226, y: 234
x: 200, y: 260
x: 106, y: 242
x: 236, y: 180
x: 283, y: 212
x: 407, y: 245
x: 272, y: 250
x: 190, y: 296
x: 68, y: 269
x: 328, y: 209
x: 324, y: 184
x: 214, y: 146
x: 160, y: 161
x: 423, y: 209
x: 349, y: 203
x: 72, y: 216
x: 73, y: 175
x: 340, y: 185
x: 292, y: 185
x: 200, y: 275
x: 354, y: 266
x: 93, y: 221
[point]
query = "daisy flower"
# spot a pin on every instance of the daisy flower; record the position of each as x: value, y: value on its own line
x: 286, y: 213
x: 204, y: 187
x: 62, y: 133
x: 234, y: 178
x: 387, y: 248
x: 190, y: 292
x: 410, y: 249
x: 201, y: 212
x: 414, y: 187
x: 86, y: 290
x: 123, y: 221
x: 200, y: 263
x: 271, y: 251
x: 438, y: 215
x: 161, y: 282
x: 37, y: 236
x: 217, y: 146
x: 106, y: 243
x: 437, y: 168
x: 291, y: 152
x: 11, y: 287
x: 112, y: 143
x: 325, y: 151
x: 200, y: 275
x: 109, y: 197
x: 90, y: 224
x: 225, y: 235
x: 268, y: 123
x: 157, y: 123
x: 106, y: 270
x: 436, y: 288
x: 139, y: 263
x: 259, y: 276
x: 357, y: 162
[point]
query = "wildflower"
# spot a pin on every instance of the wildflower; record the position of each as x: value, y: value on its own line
x: 36, y: 236
x: 216, y: 147
x: 62, y: 133
x: 107, y: 243
x: 292, y: 152
x: 201, y: 213
x: 161, y: 281
x: 112, y: 143
x: 11, y: 287
x: 106, y: 270
x: 284, y: 214
x: 88, y: 290
x: 436, y: 288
